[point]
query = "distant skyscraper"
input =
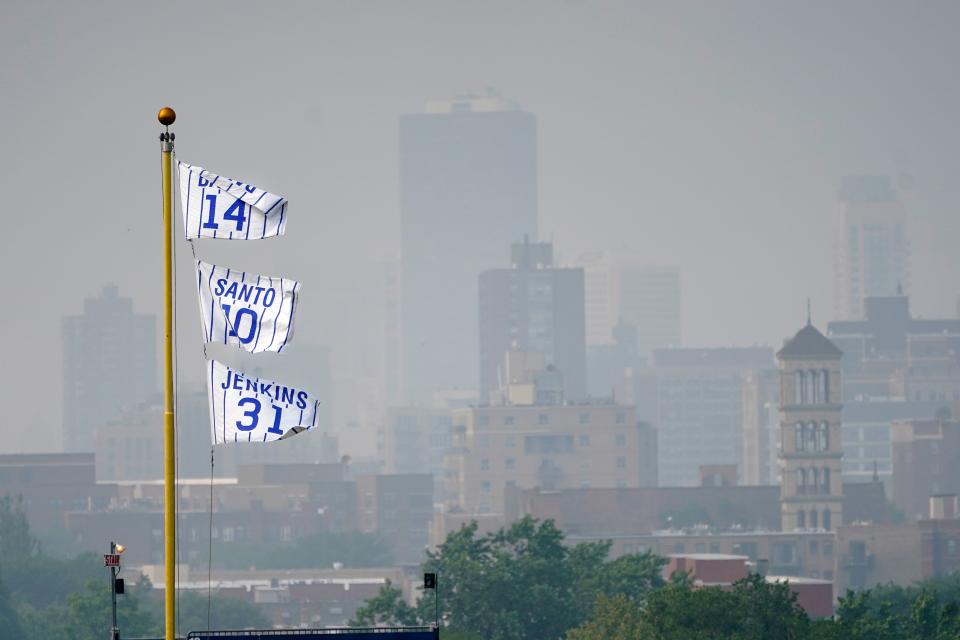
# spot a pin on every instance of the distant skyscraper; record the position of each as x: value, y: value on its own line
x: 601, y: 275
x: 622, y: 290
x: 533, y: 306
x: 699, y: 394
x: 468, y: 188
x: 650, y: 300
x: 871, y: 250
x: 109, y: 362
x: 761, y: 428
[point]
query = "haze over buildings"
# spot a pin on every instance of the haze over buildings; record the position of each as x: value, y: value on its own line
x: 109, y: 364
x: 697, y: 295
x: 468, y: 189
x: 872, y: 245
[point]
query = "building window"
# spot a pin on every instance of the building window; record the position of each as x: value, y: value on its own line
x: 799, y: 387
x: 801, y: 482
x: 509, y: 442
x: 827, y: 544
x: 485, y: 465
x: 621, y: 462
x: 543, y: 418
x: 814, y: 547
x: 700, y: 547
x: 584, y: 418
x: 798, y: 436
x: 825, y: 480
x: 825, y: 386
x: 621, y: 418
x: 509, y: 464
x: 801, y: 519
x: 621, y: 440
x: 826, y: 525
x: 823, y: 437
x: 508, y: 420
x: 584, y: 441
x: 485, y: 486
x: 814, y: 481
x: 810, y: 437
x: 814, y: 520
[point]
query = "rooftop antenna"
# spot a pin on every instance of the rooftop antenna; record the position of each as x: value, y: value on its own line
x: 808, y: 312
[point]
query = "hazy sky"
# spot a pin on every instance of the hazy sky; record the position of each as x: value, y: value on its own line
x: 709, y: 135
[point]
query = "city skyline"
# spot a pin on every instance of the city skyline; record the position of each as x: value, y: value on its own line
x: 528, y: 307
x: 720, y: 202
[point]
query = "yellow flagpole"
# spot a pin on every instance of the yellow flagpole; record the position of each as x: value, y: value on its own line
x: 166, y: 116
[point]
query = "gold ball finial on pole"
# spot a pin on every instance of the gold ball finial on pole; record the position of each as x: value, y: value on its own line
x: 166, y: 116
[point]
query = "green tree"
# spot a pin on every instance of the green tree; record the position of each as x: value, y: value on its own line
x: 16, y: 540
x: 42, y: 580
x: 9, y: 620
x: 518, y: 583
x: 927, y: 610
x: 88, y: 613
x: 48, y: 623
x: 752, y: 610
x: 387, y: 608
x: 616, y: 618
x: 769, y: 610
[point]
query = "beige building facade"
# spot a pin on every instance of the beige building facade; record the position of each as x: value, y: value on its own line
x: 551, y: 447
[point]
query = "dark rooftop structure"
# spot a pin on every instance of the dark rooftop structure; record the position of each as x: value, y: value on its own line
x: 809, y: 343
x: 883, y: 333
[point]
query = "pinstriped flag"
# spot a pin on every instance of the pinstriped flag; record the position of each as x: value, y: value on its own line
x: 215, y: 206
x: 249, y: 409
x: 251, y: 311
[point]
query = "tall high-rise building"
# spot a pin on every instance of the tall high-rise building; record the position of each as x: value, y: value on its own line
x: 699, y: 397
x: 533, y: 306
x: 621, y: 290
x: 109, y: 362
x: 650, y: 301
x: 468, y: 188
x: 761, y: 428
x: 811, y: 415
x: 871, y: 247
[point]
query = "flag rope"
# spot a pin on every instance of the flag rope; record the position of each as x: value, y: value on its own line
x: 210, y: 546
x: 176, y: 386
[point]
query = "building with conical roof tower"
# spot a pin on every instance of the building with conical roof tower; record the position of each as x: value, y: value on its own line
x: 811, y: 489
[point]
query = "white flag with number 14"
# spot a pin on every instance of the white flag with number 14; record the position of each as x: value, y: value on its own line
x: 218, y: 207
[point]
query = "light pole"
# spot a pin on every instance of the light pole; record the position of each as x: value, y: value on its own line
x: 112, y: 561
